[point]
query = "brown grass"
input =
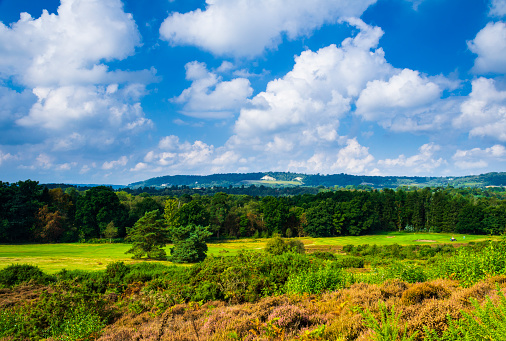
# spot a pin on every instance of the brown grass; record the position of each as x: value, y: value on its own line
x: 289, y: 317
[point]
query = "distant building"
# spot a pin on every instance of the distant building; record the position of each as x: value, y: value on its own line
x: 268, y: 178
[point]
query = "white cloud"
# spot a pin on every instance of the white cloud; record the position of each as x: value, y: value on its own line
x: 484, y: 112
x: 353, y: 158
x: 73, y: 107
x: 175, y: 156
x: 385, y: 100
x: 5, y: 157
x: 497, y: 8
x: 122, y: 161
x: 319, y: 89
x: 139, y: 167
x: 423, y: 162
x: 72, y: 99
x: 248, y: 27
x: 211, y: 97
x: 490, y: 46
x: 44, y: 161
x: 67, y: 48
x: 14, y: 104
x: 169, y: 143
x: 479, y: 158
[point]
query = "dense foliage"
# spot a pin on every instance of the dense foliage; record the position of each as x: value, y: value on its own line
x: 30, y: 212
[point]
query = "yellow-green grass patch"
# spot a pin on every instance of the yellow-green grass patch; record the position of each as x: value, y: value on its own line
x: 54, y: 257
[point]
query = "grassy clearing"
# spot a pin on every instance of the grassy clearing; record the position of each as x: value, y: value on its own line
x: 54, y: 257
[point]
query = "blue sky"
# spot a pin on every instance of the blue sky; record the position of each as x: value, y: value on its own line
x: 111, y: 91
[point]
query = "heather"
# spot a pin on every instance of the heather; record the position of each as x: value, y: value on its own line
x: 448, y: 294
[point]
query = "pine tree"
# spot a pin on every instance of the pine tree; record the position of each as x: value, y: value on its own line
x: 149, y: 235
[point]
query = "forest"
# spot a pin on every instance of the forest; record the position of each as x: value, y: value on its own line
x: 30, y: 212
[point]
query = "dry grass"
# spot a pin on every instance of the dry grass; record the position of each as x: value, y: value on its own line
x: 295, y: 317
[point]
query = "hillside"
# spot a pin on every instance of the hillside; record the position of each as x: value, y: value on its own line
x: 283, y: 179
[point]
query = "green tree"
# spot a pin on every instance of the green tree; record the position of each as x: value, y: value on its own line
x: 97, y: 208
x: 149, y: 235
x: 110, y: 231
x: 189, y: 243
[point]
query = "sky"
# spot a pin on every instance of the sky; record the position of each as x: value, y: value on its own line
x: 118, y: 91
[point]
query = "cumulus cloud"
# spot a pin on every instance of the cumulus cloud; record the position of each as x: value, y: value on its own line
x: 249, y: 27
x: 122, y: 161
x: 72, y: 100
x: 404, y: 97
x: 490, y: 46
x: 423, y: 162
x: 211, y: 97
x: 67, y: 47
x: 71, y: 107
x: 479, y: 158
x: 319, y: 89
x: 14, y: 104
x: 498, y: 8
x: 484, y: 112
x: 171, y: 156
x: 5, y: 157
x: 351, y: 158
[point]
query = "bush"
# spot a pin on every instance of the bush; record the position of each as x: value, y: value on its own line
x: 325, y: 255
x: 316, y: 282
x: 277, y: 246
x: 89, y: 281
x: 116, y: 271
x: 406, y: 272
x: 487, y: 322
x: 387, y: 326
x: 16, y: 274
x: 422, y: 291
x: 344, y: 262
x: 70, y: 313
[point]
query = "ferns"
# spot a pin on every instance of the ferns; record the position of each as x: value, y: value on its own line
x: 487, y: 322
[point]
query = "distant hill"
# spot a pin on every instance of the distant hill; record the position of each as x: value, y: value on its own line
x: 284, y: 179
x: 81, y: 187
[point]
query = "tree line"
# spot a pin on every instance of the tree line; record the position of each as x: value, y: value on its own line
x: 30, y: 212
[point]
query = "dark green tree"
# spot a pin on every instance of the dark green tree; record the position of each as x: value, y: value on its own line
x: 189, y: 243
x: 149, y: 236
x: 97, y: 208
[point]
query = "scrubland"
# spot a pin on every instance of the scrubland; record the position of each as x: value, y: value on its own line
x: 363, y: 292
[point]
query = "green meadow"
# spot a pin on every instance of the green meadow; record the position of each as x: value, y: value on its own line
x: 52, y: 258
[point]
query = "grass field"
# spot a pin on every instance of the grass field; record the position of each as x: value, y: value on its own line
x: 54, y: 257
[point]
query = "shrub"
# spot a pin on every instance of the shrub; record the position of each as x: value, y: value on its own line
x: 325, y: 255
x: 70, y: 313
x: 277, y: 246
x: 90, y: 281
x: 116, y: 271
x: 422, y: 291
x: 387, y: 326
x: 16, y: 274
x: 406, y: 272
x: 487, y: 322
x: 316, y: 282
x: 349, y: 262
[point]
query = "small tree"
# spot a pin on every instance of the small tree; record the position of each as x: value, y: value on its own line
x: 189, y: 243
x: 110, y: 231
x: 149, y: 235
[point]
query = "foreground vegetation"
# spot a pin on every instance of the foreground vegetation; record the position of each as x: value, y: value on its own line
x: 407, y: 292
